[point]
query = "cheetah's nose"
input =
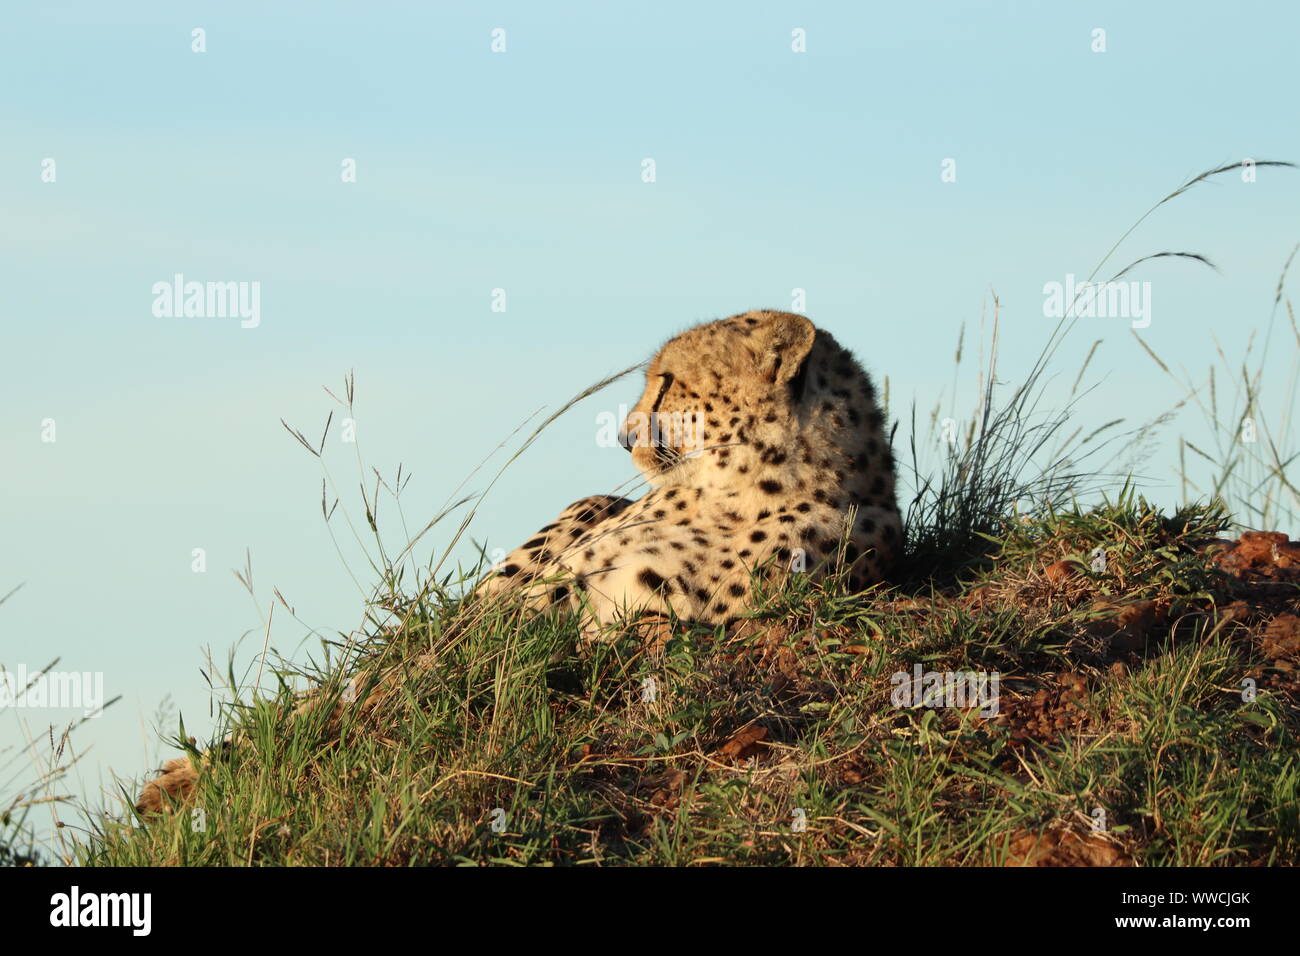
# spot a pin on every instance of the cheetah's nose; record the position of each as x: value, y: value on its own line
x: 625, y: 438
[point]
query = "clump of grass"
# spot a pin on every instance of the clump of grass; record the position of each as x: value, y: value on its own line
x: 1007, y: 456
x: 1014, y: 454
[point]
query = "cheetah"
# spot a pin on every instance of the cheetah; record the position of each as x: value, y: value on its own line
x: 765, y: 452
x: 764, y: 448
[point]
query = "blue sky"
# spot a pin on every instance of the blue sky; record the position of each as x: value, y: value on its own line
x: 521, y: 170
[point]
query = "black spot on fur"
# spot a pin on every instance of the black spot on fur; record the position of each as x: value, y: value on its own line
x: 651, y: 579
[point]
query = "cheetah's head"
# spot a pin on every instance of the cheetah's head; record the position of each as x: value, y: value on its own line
x: 713, y: 389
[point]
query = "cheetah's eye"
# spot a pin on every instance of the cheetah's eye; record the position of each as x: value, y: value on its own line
x: 663, y: 389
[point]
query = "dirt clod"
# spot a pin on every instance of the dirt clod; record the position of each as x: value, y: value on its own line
x: 745, y: 743
x: 1064, y: 848
x: 1266, y: 555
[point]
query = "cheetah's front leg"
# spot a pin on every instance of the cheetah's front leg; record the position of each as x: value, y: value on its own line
x: 544, y: 568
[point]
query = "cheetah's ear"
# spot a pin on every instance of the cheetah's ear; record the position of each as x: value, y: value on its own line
x: 787, y: 340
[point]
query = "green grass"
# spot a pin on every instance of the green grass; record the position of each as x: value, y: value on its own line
x: 488, y: 712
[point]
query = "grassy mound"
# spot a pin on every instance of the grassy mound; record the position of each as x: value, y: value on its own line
x: 1146, y: 713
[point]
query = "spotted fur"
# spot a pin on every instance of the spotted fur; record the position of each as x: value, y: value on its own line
x: 790, y: 468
